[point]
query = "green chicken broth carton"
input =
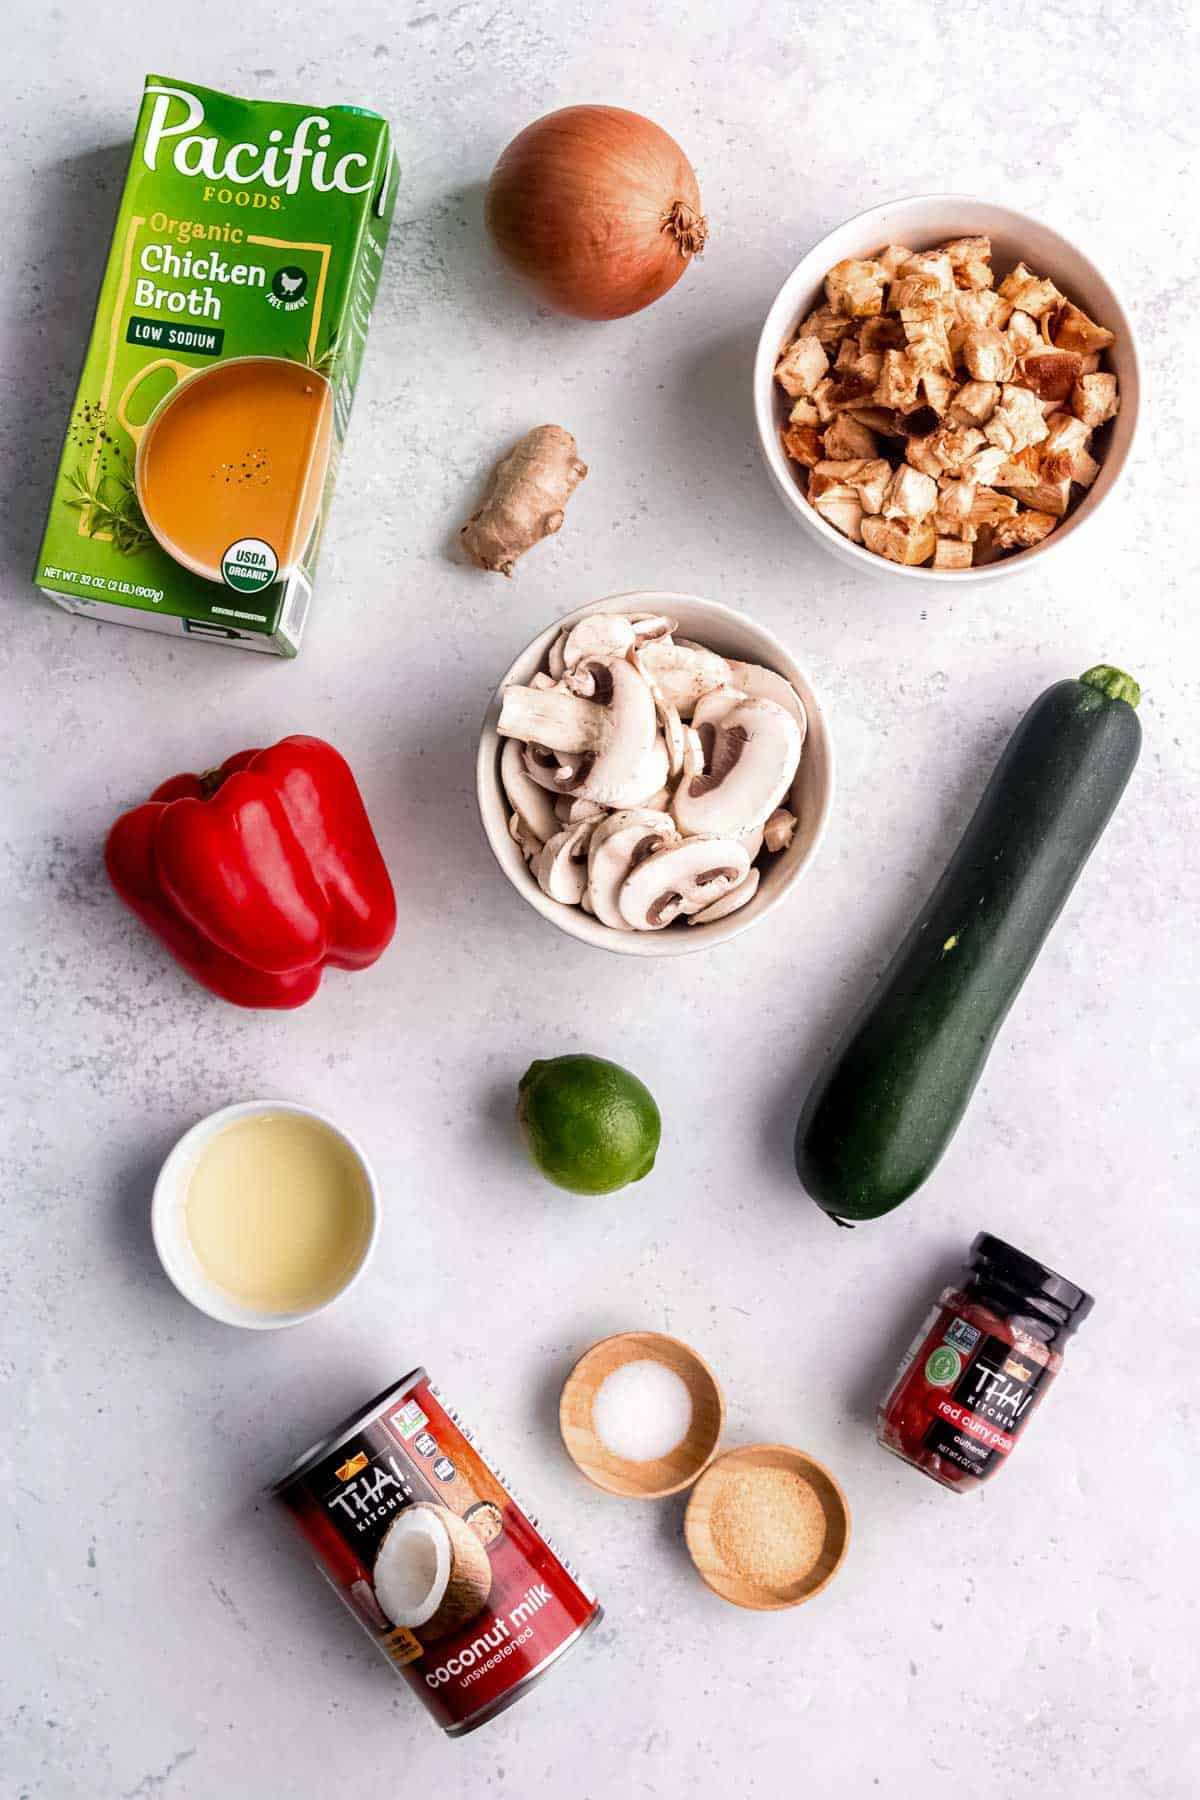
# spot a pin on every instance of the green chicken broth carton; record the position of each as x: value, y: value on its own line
x: 200, y: 458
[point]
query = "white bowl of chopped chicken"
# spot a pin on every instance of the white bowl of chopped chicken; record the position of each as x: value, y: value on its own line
x: 654, y: 773
x: 945, y: 388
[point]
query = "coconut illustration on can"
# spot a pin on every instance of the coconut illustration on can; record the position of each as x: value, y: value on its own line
x: 432, y: 1574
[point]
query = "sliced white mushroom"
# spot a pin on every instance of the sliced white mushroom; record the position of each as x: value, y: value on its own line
x: 693, y: 752
x: 608, y: 747
x: 765, y: 684
x: 682, y: 672
x: 651, y: 625
x: 750, y: 759
x: 526, y: 797
x: 526, y: 841
x: 731, y: 902
x: 682, y: 878
x: 601, y: 637
x: 617, y: 845
x: 585, y: 901
x: 668, y: 717
x: 660, y: 802
x: 712, y: 707
x: 554, y: 662
x: 779, y: 830
x: 561, y: 864
x: 573, y: 812
x: 541, y: 680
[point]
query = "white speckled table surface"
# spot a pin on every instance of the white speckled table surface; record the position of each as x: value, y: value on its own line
x: 162, y: 1638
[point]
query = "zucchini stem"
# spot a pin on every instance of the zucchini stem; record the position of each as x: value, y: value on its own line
x: 1113, y: 683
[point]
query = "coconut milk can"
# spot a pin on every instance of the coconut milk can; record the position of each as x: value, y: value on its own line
x: 428, y: 1548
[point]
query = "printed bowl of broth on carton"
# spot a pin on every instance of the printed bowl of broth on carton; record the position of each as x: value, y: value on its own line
x: 203, y: 445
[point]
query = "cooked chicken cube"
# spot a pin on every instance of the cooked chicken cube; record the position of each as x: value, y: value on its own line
x: 1023, y: 530
x: 989, y: 508
x: 910, y: 495
x: 1094, y: 399
x: 803, y: 444
x: 883, y: 333
x: 854, y: 288
x: 931, y: 266
x: 1022, y: 334
x: 954, y: 446
x: 1021, y: 471
x: 1073, y: 330
x: 915, y: 290
x: 970, y: 258
x: 852, y: 386
x: 841, y: 508
x: 1052, y: 373
x: 821, y: 400
x: 893, y: 258
x: 925, y: 329
x: 919, y: 455
x: 1017, y: 420
x: 938, y: 389
x: 900, y: 540
x: 802, y: 365
x: 987, y: 354
x: 954, y: 504
x: 1069, y: 437
x: 985, y: 465
x: 804, y: 412
x: 846, y: 438
x: 827, y: 326
x: 867, y: 476
x: 1030, y: 293
x: 951, y: 553
x: 981, y: 306
x: 899, y: 380
x: 974, y: 403
x: 1049, y: 496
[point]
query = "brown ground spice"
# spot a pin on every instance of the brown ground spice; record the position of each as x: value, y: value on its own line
x: 767, y: 1525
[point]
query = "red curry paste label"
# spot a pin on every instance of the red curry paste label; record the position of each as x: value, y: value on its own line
x: 469, y: 1600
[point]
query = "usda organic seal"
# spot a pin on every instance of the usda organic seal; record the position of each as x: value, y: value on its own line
x: 249, y: 565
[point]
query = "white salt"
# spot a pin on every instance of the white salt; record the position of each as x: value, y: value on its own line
x: 641, y: 1411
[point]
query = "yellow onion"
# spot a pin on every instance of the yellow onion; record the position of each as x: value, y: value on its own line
x: 597, y: 210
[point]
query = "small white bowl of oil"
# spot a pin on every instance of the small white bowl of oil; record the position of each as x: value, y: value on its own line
x: 265, y: 1213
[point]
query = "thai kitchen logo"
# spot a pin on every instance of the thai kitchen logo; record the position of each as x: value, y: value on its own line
x: 308, y: 157
x: 353, y: 1466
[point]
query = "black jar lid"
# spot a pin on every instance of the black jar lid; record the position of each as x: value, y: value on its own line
x: 1021, y: 1286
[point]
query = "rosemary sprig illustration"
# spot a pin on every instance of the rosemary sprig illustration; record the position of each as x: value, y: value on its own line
x: 108, y: 504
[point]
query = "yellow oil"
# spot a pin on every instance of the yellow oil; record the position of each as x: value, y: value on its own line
x: 278, y: 1212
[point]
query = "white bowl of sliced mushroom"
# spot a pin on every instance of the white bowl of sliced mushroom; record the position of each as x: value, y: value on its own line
x: 944, y: 388
x: 654, y: 773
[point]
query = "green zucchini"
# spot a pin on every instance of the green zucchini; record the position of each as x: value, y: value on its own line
x: 891, y: 1097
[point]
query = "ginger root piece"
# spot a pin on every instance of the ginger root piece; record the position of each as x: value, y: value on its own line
x: 526, y: 499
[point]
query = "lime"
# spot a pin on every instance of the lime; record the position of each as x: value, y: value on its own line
x: 589, y: 1125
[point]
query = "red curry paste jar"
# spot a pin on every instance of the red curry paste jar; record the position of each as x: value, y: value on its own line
x: 980, y: 1364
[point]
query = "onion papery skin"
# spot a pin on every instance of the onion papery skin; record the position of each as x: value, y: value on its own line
x: 596, y: 210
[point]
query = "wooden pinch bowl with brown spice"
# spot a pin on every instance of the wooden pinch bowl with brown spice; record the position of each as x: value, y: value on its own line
x: 767, y: 1527
x: 663, y: 1475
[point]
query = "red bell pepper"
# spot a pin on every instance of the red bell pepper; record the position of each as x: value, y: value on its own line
x: 259, y: 874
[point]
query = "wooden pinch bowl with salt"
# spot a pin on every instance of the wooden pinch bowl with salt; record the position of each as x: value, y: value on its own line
x: 656, y: 1476
x: 767, y: 1527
